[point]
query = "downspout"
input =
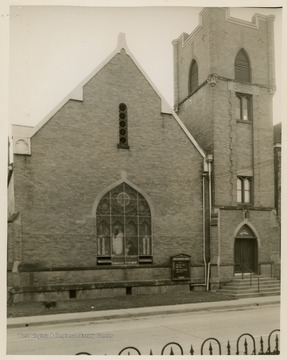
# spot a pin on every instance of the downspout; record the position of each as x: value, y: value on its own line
x: 209, y: 159
x: 203, y: 230
x: 207, y: 174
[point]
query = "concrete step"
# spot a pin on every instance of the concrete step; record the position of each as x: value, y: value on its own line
x: 253, y: 281
x: 252, y: 294
x: 253, y: 286
x: 241, y: 288
x: 254, y: 278
x: 270, y: 291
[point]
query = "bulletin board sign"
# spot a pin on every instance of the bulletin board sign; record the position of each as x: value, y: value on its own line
x: 180, y: 267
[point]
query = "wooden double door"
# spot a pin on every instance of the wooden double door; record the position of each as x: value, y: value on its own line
x: 245, y: 255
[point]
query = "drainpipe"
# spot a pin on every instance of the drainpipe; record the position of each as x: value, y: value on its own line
x: 207, y: 174
x: 209, y: 159
x: 204, y: 234
x: 203, y: 229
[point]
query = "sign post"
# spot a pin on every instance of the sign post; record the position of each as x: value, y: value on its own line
x: 180, y: 267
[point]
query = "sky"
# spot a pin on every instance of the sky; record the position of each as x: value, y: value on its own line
x: 52, y: 49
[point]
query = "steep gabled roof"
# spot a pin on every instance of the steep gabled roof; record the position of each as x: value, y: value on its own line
x: 77, y: 94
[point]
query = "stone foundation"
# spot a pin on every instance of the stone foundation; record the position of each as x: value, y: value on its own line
x: 98, y: 290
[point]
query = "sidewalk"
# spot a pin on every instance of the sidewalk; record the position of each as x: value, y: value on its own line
x: 143, y: 311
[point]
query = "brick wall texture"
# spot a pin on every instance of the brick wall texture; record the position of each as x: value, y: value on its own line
x: 75, y: 158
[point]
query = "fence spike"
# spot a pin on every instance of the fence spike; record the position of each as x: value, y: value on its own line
x: 191, y: 350
x: 246, y: 347
x: 276, y: 344
x: 210, y: 348
x: 228, y: 348
x: 261, y: 346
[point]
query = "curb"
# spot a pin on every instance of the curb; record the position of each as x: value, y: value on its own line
x: 139, y: 312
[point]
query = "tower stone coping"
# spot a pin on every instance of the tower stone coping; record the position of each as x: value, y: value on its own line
x: 184, y: 38
x: 254, y: 24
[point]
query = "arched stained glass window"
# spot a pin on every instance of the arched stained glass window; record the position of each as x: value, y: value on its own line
x: 242, y: 67
x: 123, y: 221
x: 193, y: 76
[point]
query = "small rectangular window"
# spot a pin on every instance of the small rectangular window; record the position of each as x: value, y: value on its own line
x: 243, y: 109
x: 244, y: 190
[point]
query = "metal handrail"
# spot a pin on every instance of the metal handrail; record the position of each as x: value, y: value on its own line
x: 251, y: 273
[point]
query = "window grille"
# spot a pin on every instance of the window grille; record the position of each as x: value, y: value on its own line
x: 123, y: 221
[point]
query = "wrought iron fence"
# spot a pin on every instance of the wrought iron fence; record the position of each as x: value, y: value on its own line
x: 212, y: 346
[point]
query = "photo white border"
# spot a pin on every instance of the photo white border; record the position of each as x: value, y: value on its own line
x: 4, y: 121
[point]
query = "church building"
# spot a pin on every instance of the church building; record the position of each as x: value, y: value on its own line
x: 117, y: 193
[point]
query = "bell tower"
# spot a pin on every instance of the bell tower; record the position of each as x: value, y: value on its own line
x: 224, y: 82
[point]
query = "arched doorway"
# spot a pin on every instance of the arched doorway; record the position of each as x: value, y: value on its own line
x: 245, y: 251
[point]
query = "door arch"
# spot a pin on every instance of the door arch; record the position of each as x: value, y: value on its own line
x: 245, y: 251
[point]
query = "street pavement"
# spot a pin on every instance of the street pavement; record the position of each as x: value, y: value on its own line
x: 143, y: 311
x: 107, y: 332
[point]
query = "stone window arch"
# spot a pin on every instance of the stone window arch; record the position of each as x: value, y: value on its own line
x: 242, y: 67
x: 123, y: 227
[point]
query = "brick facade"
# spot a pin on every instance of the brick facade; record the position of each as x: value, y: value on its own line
x: 75, y: 159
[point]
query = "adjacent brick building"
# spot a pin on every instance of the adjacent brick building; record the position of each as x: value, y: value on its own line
x: 114, y: 183
x: 277, y: 166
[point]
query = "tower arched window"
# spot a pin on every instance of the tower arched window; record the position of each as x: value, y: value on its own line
x: 242, y: 67
x: 193, y: 76
x: 123, y: 126
x: 123, y: 226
